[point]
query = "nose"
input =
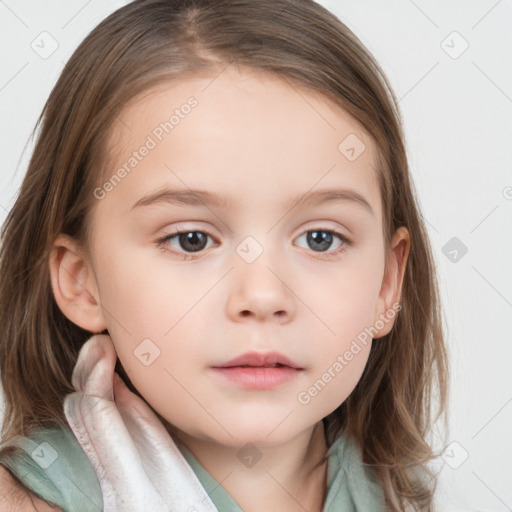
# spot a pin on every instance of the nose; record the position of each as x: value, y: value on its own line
x: 259, y: 290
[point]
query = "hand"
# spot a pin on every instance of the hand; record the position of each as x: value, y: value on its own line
x: 138, y: 465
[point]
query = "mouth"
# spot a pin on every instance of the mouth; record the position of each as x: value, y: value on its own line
x: 258, y: 371
x: 260, y: 360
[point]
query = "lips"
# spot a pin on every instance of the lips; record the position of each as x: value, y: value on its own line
x: 257, y: 359
x: 256, y: 371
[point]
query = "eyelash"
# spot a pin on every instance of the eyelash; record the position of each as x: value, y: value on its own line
x: 161, y: 243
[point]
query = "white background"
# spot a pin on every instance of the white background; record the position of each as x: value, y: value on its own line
x: 458, y: 121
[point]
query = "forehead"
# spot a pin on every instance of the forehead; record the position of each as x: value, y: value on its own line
x: 245, y: 134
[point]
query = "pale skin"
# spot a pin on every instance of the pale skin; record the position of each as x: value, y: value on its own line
x: 260, y: 143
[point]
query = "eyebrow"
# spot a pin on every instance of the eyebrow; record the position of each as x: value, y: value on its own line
x: 190, y: 197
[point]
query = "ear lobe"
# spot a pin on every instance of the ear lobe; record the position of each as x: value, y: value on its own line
x: 74, y: 285
x: 392, y: 281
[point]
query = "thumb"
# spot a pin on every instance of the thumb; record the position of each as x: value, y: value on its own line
x: 94, y: 368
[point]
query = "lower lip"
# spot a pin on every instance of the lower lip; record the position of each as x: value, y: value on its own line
x: 258, y: 377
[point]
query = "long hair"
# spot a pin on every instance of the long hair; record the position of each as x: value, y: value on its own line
x: 149, y: 42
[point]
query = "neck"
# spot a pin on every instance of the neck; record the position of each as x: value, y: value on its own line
x: 291, y: 477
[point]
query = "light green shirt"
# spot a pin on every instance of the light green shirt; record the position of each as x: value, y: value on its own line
x: 53, y: 466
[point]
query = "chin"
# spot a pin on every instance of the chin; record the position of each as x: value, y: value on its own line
x: 265, y: 435
x: 238, y: 432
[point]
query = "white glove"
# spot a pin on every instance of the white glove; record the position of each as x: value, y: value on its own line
x: 138, y: 465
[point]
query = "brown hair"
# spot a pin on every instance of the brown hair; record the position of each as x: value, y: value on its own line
x: 151, y: 42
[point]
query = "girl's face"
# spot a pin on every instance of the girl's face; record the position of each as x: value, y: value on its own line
x: 284, y: 252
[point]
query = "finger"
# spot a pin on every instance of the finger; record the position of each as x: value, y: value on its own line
x: 100, y: 430
x: 99, y: 427
x: 94, y: 368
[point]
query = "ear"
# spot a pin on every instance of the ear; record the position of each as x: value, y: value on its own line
x: 391, y: 289
x: 74, y: 285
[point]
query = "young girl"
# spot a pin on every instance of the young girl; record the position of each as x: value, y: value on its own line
x: 289, y: 359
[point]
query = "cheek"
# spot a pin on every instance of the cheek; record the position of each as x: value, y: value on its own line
x: 141, y: 299
x: 341, y: 333
x: 344, y: 303
x: 338, y: 369
x: 153, y: 324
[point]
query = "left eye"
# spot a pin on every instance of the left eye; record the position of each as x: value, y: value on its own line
x: 319, y: 240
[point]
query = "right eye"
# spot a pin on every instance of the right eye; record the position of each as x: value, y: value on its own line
x: 190, y: 242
